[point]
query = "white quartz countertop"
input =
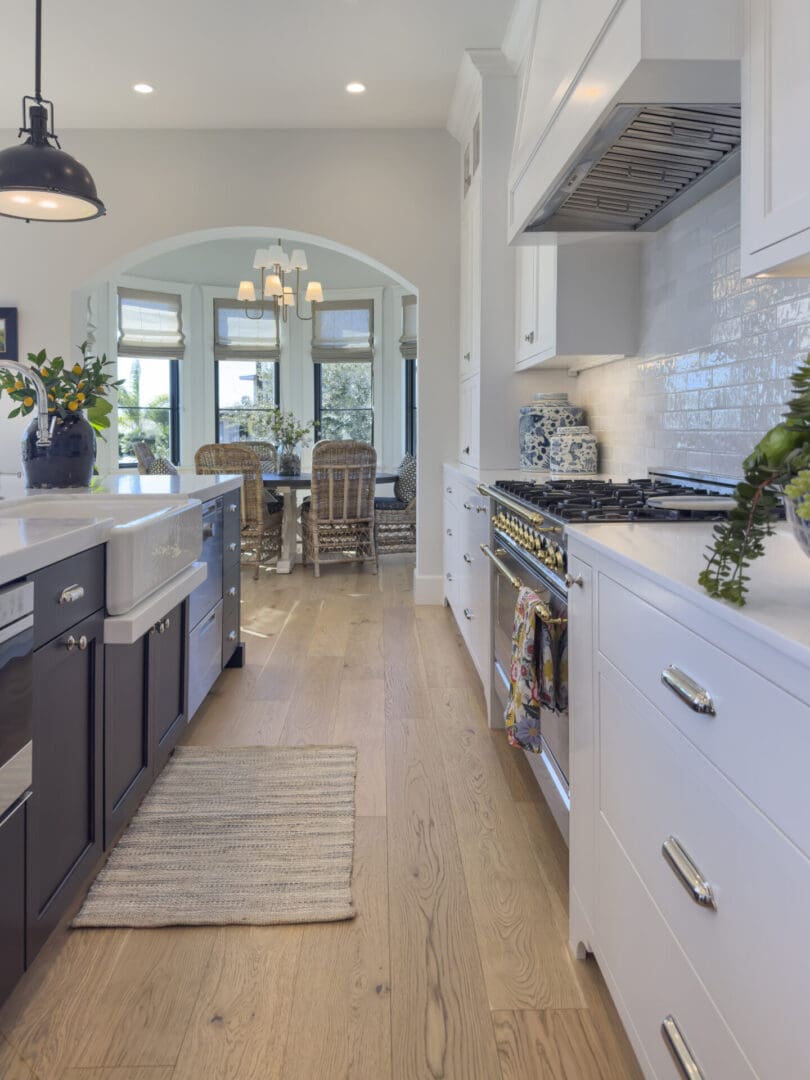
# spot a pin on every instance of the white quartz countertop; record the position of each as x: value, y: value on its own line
x: 29, y: 542
x: 672, y: 554
x: 185, y: 485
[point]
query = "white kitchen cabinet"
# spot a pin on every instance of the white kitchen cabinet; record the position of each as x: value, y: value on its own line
x: 470, y: 330
x: 466, y: 569
x: 469, y: 427
x: 577, y: 303
x: 650, y: 764
x: 776, y: 146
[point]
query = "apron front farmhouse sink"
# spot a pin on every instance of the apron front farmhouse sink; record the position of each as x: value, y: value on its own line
x: 149, y: 542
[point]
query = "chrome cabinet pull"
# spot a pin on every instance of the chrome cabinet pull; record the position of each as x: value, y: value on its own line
x: 70, y: 644
x: 466, y: 449
x: 529, y: 338
x: 482, y: 510
x: 467, y: 356
x: 688, y: 690
x: 449, y: 490
x: 162, y: 626
x: 232, y: 547
x: 231, y: 635
x: 232, y: 508
x: 82, y: 643
x: 467, y: 506
x: 168, y: 622
x: 468, y: 613
x: 679, y: 1049
x: 467, y: 559
x: 571, y: 580
x: 688, y: 874
x: 71, y: 593
x: 232, y: 591
x: 449, y: 532
x: 449, y: 576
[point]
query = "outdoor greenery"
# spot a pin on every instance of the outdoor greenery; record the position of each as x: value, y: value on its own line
x: 83, y: 386
x: 346, y: 402
x: 248, y: 416
x: 777, y: 460
x: 149, y: 423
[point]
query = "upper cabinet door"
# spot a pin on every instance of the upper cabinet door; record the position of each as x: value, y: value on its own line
x: 526, y: 304
x: 470, y: 361
x: 776, y: 142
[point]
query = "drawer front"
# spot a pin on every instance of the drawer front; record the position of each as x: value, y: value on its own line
x: 67, y: 592
x: 754, y: 719
x: 231, y: 527
x: 654, y: 980
x: 12, y: 899
x: 231, y: 611
x: 206, y: 595
x: 204, y: 658
x: 759, y: 881
x: 452, y: 488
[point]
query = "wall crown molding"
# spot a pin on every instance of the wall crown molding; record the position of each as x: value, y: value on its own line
x: 477, y: 65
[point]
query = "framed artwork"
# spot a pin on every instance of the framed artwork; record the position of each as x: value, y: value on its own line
x: 8, y: 333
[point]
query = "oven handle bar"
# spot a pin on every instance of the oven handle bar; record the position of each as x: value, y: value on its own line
x: 543, y: 610
x: 510, y: 504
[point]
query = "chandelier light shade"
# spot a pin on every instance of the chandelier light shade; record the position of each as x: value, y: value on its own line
x: 38, y: 180
x: 274, y: 264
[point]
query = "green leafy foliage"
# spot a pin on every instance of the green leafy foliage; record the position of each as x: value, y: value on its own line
x: 778, y: 460
x: 70, y: 388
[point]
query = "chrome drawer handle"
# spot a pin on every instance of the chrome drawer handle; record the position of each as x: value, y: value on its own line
x: 232, y: 591
x: 449, y: 576
x: 168, y: 622
x: 482, y: 509
x: 688, y: 690
x: 467, y: 559
x: 232, y: 547
x: 161, y: 626
x: 449, y: 490
x: 232, y: 508
x: 529, y: 337
x: 232, y: 635
x: 466, y: 356
x: 71, y: 594
x: 467, y: 506
x: 571, y: 580
x: 468, y: 613
x: 688, y: 874
x: 72, y: 643
x: 680, y: 1050
x: 466, y: 451
x: 449, y: 532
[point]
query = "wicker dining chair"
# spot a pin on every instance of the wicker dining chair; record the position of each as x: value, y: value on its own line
x: 261, y: 528
x: 394, y: 526
x: 338, y: 519
x: 268, y: 455
x: 144, y: 455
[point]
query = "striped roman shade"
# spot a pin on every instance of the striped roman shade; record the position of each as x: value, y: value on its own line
x: 343, y: 330
x: 150, y: 324
x: 410, y: 323
x: 237, y: 337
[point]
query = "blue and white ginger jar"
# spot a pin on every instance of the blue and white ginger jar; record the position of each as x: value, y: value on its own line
x: 573, y: 450
x: 539, y: 421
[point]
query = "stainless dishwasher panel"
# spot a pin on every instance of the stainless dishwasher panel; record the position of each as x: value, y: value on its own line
x: 204, y: 658
x: 210, y: 591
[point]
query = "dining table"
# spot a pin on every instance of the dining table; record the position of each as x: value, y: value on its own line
x: 289, y: 486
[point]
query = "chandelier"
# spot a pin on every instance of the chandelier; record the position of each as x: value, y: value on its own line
x: 274, y: 265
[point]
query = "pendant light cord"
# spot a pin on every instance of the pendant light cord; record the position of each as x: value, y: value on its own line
x: 38, y: 53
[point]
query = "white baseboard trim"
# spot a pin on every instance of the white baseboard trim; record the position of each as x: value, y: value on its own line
x: 428, y: 589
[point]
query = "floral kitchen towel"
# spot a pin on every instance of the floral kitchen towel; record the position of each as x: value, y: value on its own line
x: 523, y: 709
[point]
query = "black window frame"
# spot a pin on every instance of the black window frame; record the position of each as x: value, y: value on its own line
x: 173, y: 409
x: 411, y: 406
x: 318, y: 385
x: 248, y: 359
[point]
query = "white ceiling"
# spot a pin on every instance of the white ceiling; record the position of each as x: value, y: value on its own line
x: 227, y: 262
x: 245, y: 64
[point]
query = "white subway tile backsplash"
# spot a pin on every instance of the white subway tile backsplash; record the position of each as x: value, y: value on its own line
x: 717, y: 352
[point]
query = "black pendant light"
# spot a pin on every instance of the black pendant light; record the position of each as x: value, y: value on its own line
x: 38, y: 180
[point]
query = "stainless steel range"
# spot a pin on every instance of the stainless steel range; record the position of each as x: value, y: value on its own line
x: 528, y: 547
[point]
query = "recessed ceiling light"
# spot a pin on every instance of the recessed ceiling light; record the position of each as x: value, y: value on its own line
x: 143, y: 88
x: 355, y: 88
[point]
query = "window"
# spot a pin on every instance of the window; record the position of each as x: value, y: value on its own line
x: 343, y: 351
x: 150, y: 346
x: 408, y: 348
x: 246, y: 355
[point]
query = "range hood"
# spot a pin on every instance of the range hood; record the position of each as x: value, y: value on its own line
x: 639, y: 162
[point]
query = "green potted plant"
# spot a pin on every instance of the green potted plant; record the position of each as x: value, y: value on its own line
x: 777, y: 469
x: 78, y: 406
x: 289, y: 434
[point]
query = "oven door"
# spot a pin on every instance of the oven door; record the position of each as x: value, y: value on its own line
x: 554, y: 725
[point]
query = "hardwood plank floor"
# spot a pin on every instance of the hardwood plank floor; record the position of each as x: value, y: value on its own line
x: 456, y: 966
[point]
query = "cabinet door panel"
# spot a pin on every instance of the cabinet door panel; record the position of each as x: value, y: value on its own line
x: 776, y: 147
x: 168, y: 680
x: 526, y: 309
x: 65, y: 810
x: 127, y: 772
x: 12, y: 899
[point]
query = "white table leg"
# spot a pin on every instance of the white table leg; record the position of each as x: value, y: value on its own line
x: 289, y: 532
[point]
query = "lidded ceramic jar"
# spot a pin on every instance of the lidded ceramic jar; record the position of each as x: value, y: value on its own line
x: 541, y: 419
x: 573, y: 450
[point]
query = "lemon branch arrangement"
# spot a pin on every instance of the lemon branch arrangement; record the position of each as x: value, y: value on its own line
x: 779, y: 463
x: 82, y: 386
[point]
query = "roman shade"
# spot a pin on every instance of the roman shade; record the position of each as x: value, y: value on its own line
x: 410, y: 322
x: 343, y: 330
x: 237, y: 337
x: 150, y: 324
